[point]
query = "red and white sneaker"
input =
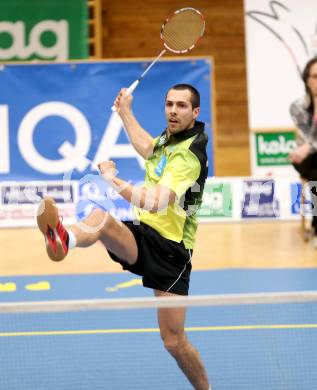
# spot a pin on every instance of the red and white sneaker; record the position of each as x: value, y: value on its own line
x: 56, y: 236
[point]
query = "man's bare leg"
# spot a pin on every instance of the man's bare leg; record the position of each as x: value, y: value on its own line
x: 99, y: 225
x: 171, y: 323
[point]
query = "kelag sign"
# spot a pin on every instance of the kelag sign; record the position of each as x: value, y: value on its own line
x: 273, y: 149
x: 56, y: 123
x: 47, y: 30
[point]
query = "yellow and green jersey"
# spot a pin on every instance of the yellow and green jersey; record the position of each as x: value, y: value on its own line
x: 178, y: 162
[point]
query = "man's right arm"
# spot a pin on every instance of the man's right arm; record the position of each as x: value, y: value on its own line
x: 141, y: 140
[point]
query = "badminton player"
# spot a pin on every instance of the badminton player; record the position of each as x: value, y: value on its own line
x: 159, y: 244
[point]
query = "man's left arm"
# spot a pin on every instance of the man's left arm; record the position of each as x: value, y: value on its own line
x: 153, y: 199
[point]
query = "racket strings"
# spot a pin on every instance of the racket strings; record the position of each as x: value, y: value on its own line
x: 182, y: 31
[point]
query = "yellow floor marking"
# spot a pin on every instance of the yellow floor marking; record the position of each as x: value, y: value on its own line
x: 156, y: 330
x: 130, y: 283
x: 8, y: 287
x: 39, y: 286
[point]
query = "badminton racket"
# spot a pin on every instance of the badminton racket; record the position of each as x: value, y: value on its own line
x: 179, y: 33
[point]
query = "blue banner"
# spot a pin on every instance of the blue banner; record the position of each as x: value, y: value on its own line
x: 259, y: 199
x: 51, y: 113
x: 56, y: 121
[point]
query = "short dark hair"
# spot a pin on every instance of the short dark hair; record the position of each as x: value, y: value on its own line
x: 195, y: 96
x: 305, y: 77
x: 306, y: 72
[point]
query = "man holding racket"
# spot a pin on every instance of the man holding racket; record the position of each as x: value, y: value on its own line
x: 159, y: 245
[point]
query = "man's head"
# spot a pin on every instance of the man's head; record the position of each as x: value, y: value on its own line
x: 182, y: 106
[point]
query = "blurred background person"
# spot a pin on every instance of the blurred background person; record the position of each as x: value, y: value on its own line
x: 304, y: 115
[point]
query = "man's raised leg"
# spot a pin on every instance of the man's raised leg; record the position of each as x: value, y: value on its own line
x: 99, y: 225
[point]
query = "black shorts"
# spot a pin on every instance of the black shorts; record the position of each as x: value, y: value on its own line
x: 163, y: 264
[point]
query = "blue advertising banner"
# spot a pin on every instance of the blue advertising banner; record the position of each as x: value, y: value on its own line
x: 296, y: 194
x: 296, y: 189
x: 259, y: 199
x: 56, y: 123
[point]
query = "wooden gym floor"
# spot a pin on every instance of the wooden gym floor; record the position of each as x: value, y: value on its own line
x: 244, y: 245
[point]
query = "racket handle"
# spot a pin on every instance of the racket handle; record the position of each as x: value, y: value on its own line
x: 128, y: 92
x: 132, y: 87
